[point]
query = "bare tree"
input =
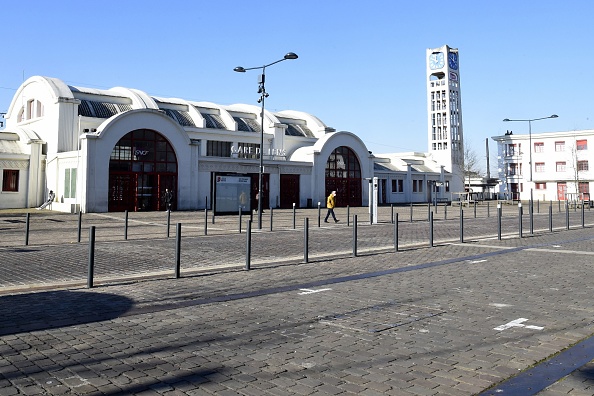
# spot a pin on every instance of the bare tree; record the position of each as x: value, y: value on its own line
x: 471, y: 163
x: 574, y: 164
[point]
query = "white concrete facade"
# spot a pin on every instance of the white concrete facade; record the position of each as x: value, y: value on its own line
x: 65, y: 139
x: 561, y: 165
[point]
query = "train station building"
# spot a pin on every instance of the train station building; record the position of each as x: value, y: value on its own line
x: 120, y: 149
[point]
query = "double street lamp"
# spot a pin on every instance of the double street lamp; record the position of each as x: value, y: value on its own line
x: 263, y: 96
x: 530, y: 148
x: 529, y: 121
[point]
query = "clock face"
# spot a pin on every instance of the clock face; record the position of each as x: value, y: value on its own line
x: 453, y: 60
x: 436, y: 60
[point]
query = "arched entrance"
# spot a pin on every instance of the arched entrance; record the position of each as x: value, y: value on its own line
x: 142, y: 166
x: 343, y: 174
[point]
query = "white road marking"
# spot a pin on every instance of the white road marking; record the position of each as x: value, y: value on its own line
x: 559, y: 251
x: 498, y: 305
x: 308, y: 291
x: 517, y: 323
x: 478, y: 261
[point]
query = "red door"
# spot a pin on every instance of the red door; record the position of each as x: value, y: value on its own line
x: 561, y: 190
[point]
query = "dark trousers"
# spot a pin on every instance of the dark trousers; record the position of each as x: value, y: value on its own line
x: 330, y: 212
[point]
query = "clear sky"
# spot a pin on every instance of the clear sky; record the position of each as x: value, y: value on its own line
x: 361, y: 65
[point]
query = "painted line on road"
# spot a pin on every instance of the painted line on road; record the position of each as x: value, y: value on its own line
x: 560, y: 251
x: 309, y: 291
x: 517, y: 323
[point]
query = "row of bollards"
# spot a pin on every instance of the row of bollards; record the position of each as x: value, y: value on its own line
x: 177, y: 267
x: 319, y: 215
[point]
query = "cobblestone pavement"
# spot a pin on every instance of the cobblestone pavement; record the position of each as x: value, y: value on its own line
x: 453, y: 319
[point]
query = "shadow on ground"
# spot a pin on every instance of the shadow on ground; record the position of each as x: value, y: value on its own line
x: 53, y: 309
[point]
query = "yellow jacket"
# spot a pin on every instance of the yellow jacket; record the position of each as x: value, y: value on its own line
x: 330, y: 202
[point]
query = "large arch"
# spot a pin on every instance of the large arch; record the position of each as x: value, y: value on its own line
x: 142, y: 167
x: 343, y: 175
x: 97, y: 149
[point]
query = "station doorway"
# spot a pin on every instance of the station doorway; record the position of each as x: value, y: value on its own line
x: 142, y: 166
x: 343, y: 175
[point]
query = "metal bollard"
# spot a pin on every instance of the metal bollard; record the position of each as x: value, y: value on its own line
x: 294, y: 215
x: 475, y: 209
x: 583, y: 218
x: 551, y: 218
x: 538, y: 206
x: 271, y: 216
x: 205, y: 221
x: 392, y: 211
x: 168, y: 222
x: 306, y: 240
x: 429, y: 211
x: 80, y: 225
x: 125, y: 226
x: 567, y: 215
x: 27, y: 229
x: 531, y: 211
x: 248, y: 246
x: 488, y: 209
x: 461, y: 224
x: 520, y: 212
x: 355, y: 236
x: 240, y: 213
x: 91, y: 267
x: 348, y: 216
x: 178, y: 250
x: 499, y: 221
x: 411, y: 212
x: 445, y: 211
x: 431, y: 229
x: 396, y: 233
x: 319, y: 214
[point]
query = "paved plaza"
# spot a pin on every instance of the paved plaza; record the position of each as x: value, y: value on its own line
x: 466, y: 316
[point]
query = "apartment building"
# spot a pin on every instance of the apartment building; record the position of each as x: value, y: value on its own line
x: 546, y: 166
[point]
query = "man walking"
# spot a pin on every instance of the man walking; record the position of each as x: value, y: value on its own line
x: 330, y: 203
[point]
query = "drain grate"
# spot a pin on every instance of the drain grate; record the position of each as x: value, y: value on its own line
x: 380, y: 317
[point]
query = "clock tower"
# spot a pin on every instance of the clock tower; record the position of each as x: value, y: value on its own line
x: 444, y: 111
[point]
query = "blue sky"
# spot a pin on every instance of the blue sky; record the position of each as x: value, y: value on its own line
x: 361, y: 65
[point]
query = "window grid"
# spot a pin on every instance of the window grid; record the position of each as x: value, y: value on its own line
x: 10, y: 180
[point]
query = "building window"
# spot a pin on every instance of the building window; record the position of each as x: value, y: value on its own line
x: 70, y: 183
x: 560, y: 166
x: 584, y: 188
x: 581, y: 144
x: 215, y: 148
x: 582, y: 165
x: 397, y: 186
x: 513, y: 170
x: 10, y: 180
x: 417, y: 186
x: 540, y: 186
x: 539, y: 167
x: 559, y: 146
x: 513, y: 149
x: 539, y: 147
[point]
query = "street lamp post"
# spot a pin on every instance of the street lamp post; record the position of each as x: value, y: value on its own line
x: 529, y: 121
x: 263, y: 96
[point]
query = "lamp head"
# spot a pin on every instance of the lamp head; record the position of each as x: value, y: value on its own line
x: 291, y: 55
x: 505, y: 120
x: 554, y: 116
x: 239, y: 69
